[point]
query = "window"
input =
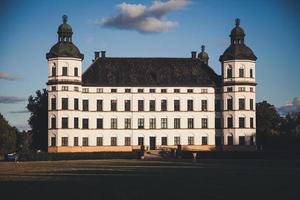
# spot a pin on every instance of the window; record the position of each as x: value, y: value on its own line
x: 229, y: 122
x: 241, y: 72
x: 204, y: 123
x: 53, y: 122
x: 229, y: 71
x: 113, y: 141
x: 218, y: 105
x: 100, y: 123
x: 75, y: 71
x: 64, y: 141
x: 113, y: 105
x: 53, y: 71
x: 99, y: 105
x: 241, y: 104
x: 140, y: 90
x: 53, y: 141
x: 85, y: 105
x: 64, y: 88
x: 190, y: 105
x: 85, y: 141
x: 99, y: 90
x: 251, y: 122
x: 53, y: 88
x: 85, y: 90
x: 204, y: 90
x: 140, y: 141
x: 164, y: 141
x: 152, y: 105
x: 127, y: 123
x: 85, y: 123
x: 163, y: 90
x: 99, y: 141
x: 251, y: 73
x: 229, y: 104
x: 64, y: 122
x: 53, y: 103
x: 164, y: 123
x: 190, y: 90
x: 127, y: 105
x: 251, y: 89
x: 241, y: 122
x: 140, y: 105
x: 113, y: 90
x: 127, y: 141
x: 65, y: 71
x: 190, y: 140
x: 163, y: 105
x: 251, y: 104
x: 177, y: 123
x: 204, y: 105
x: 140, y: 123
x: 217, y: 123
x: 241, y: 89
x: 229, y: 89
x: 76, y: 122
x: 241, y: 140
x: 152, y: 90
x: 64, y: 103
x: 230, y: 140
x: 76, y: 104
x: 152, y: 123
x: 176, y: 105
x: 176, y: 140
x: 176, y: 90
x: 190, y: 123
x: 204, y: 140
x: 75, y: 141
x: 127, y: 90
x: 113, y: 123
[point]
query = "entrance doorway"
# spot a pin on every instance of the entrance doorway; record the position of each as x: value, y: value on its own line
x: 152, y: 143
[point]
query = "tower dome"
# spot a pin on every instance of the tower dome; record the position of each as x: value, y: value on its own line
x: 64, y: 47
x: 203, y: 56
x: 237, y: 49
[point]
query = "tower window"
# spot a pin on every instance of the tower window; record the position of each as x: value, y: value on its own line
x: 241, y: 104
x: 53, y: 103
x: 229, y: 122
x: 75, y: 71
x: 242, y: 122
x: 64, y: 122
x: 53, y: 122
x: 251, y: 73
x: 229, y: 104
x: 229, y: 72
x: 64, y: 104
x: 53, y: 71
x: 65, y: 71
x: 241, y: 73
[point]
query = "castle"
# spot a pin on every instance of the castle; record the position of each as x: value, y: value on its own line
x: 122, y: 103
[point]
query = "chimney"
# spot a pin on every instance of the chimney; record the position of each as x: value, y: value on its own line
x: 97, y: 53
x: 102, y: 54
x: 194, y: 54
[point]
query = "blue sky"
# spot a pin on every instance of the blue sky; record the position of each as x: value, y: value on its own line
x: 28, y: 30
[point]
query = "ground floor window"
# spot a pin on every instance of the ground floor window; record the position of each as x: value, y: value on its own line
x: 230, y: 140
x: 113, y: 141
x: 140, y: 141
x: 176, y: 140
x: 164, y: 141
x: 99, y: 141
x: 241, y: 140
x: 190, y: 140
x: 85, y: 141
x: 53, y: 141
x: 204, y: 140
x: 127, y: 141
x: 75, y: 141
x: 64, y: 141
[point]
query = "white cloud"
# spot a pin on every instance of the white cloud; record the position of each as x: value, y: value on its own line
x: 291, y: 106
x: 6, y: 76
x: 142, y: 18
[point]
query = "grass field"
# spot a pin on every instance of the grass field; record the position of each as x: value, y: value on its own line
x: 136, y: 179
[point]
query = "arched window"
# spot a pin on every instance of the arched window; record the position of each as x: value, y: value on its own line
x: 230, y: 139
x: 53, y: 70
x: 229, y: 103
x: 229, y: 71
x: 65, y: 71
x: 241, y: 72
x: 230, y: 121
x: 53, y: 122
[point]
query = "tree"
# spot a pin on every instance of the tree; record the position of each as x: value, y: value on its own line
x: 38, y: 121
x: 7, y: 137
x: 267, y: 121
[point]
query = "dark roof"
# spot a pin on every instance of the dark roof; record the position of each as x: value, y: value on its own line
x: 238, y: 52
x: 149, y: 72
x: 64, y: 49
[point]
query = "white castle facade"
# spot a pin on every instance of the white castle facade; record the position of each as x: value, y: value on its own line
x: 120, y: 104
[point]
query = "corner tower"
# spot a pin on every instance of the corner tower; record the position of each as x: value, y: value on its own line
x: 238, y: 74
x: 64, y: 85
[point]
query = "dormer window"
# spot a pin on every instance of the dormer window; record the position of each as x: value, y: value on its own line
x: 65, y: 71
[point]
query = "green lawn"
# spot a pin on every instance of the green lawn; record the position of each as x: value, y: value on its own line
x: 136, y: 179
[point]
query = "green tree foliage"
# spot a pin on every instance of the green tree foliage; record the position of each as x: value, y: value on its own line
x: 24, y: 141
x: 38, y: 121
x: 7, y: 136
